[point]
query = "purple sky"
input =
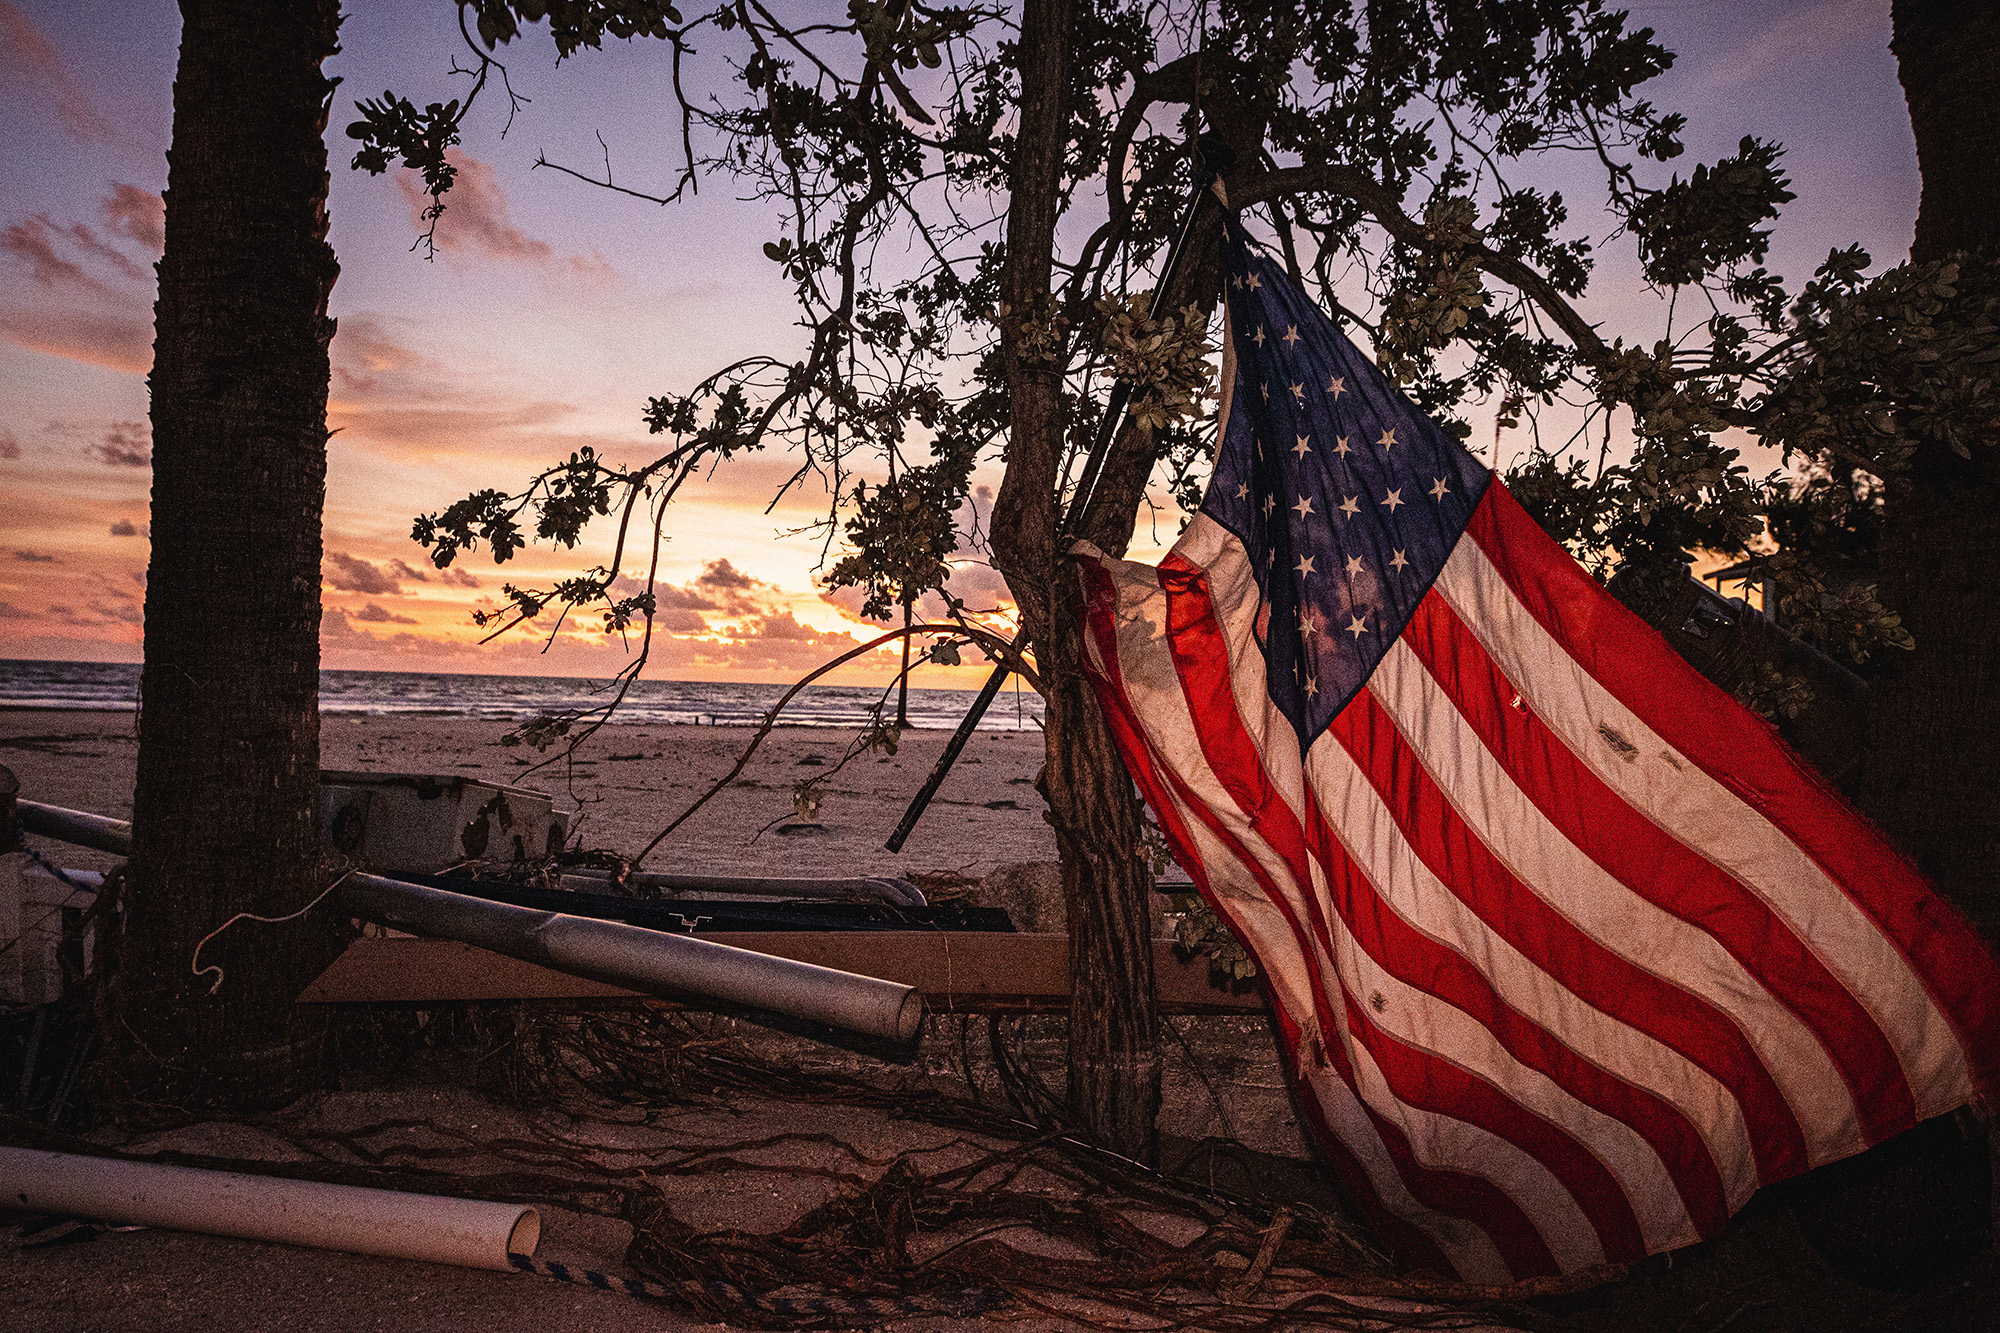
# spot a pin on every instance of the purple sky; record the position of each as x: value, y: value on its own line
x: 554, y: 310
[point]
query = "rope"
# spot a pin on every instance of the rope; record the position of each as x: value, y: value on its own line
x: 194, y: 959
x: 54, y: 869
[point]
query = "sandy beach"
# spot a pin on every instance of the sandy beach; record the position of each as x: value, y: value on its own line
x: 627, y: 782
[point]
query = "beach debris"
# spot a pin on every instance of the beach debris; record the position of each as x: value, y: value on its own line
x: 873, y: 888
x: 426, y: 822
x: 649, y: 961
x: 470, y: 1233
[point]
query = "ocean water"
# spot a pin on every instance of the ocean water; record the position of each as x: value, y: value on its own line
x: 115, y: 686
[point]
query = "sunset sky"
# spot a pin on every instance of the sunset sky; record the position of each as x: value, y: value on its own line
x: 553, y: 311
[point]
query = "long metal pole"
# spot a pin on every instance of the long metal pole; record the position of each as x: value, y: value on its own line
x: 1079, y: 505
x: 874, y: 888
x: 77, y: 827
x: 947, y: 759
x: 645, y: 960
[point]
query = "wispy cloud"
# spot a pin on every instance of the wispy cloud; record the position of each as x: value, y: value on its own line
x: 83, y: 298
x: 375, y: 615
x: 138, y: 215
x: 30, y: 62
x: 1801, y: 36
x: 477, y: 223
x: 32, y: 246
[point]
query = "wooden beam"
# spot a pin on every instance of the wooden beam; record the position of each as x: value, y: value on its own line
x: 956, y: 971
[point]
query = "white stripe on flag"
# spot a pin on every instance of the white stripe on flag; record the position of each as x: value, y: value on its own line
x: 1439, y: 1141
x: 1702, y: 814
x: 1513, y: 828
x: 1368, y: 830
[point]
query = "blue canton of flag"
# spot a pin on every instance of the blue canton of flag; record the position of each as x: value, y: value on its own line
x: 1348, y: 499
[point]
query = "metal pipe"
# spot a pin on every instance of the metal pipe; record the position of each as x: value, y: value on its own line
x: 946, y: 759
x: 639, y: 959
x: 473, y: 1233
x: 873, y: 888
x: 101, y: 832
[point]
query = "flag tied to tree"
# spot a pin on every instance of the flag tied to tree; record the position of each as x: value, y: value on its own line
x: 1569, y: 953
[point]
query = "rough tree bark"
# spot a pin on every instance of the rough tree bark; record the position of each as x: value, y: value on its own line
x: 1934, y: 776
x: 1114, y: 1064
x: 1915, y: 1208
x: 225, y: 815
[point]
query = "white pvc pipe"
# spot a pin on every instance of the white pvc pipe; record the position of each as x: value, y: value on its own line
x: 472, y: 1233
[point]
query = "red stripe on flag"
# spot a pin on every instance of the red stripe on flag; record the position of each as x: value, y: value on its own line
x: 1634, y: 851
x: 1201, y: 660
x: 1428, y: 822
x: 1739, y: 751
x: 1416, y: 1246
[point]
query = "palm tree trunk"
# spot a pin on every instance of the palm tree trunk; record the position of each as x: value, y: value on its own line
x: 1933, y: 781
x: 1913, y: 1209
x: 225, y: 815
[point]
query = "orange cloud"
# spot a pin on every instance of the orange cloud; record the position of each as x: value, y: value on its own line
x: 83, y: 298
x: 31, y: 63
x: 138, y: 215
x: 475, y: 223
x: 374, y: 614
x: 117, y: 342
x: 126, y: 444
x: 10, y: 446
x: 352, y: 574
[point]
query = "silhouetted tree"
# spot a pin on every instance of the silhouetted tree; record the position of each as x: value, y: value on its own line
x: 225, y: 815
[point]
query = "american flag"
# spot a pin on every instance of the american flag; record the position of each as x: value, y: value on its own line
x: 1569, y: 953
